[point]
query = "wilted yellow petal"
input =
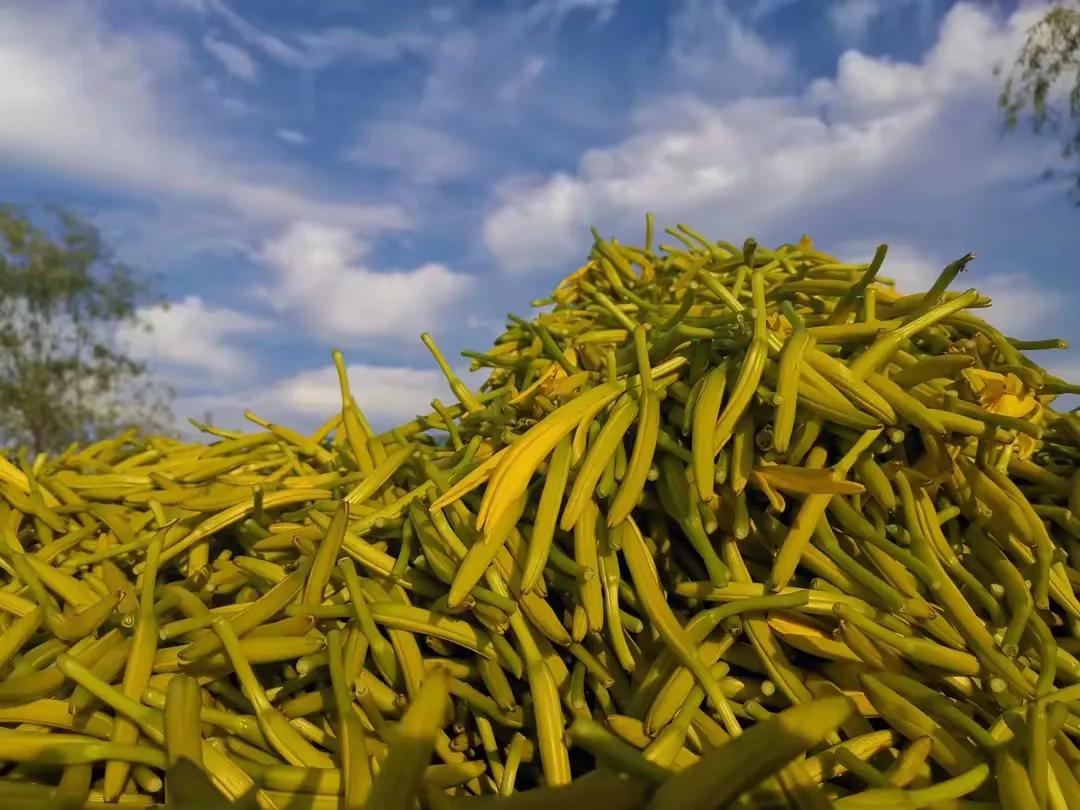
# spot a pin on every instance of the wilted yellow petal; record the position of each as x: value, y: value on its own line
x: 984, y: 347
x: 980, y: 378
x: 1024, y: 446
x: 778, y: 324
x: 1015, y: 399
x: 1013, y: 384
x: 1011, y: 405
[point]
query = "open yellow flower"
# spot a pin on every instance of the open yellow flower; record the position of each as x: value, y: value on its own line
x: 1003, y: 394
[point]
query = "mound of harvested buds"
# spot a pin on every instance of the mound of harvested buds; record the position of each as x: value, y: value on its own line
x: 723, y: 528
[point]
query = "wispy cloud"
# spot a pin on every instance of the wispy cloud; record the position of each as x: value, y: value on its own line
x: 328, y: 45
x: 419, y: 153
x: 318, y: 48
x: 760, y: 9
x: 530, y: 69
x: 233, y: 58
x: 92, y: 102
x: 555, y: 12
x: 293, y: 136
x: 711, y: 44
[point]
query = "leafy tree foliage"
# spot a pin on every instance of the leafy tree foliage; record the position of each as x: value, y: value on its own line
x: 66, y: 305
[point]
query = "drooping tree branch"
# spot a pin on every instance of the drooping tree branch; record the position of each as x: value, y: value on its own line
x: 1044, y: 83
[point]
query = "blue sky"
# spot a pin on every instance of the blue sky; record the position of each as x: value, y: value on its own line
x: 304, y: 175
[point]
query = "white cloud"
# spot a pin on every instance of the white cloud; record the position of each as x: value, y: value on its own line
x: 852, y: 18
x: 561, y: 204
x: 232, y: 57
x: 92, y: 103
x: 898, y: 139
x: 191, y: 336
x: 419, y: 153
x: 320, y: 277
x: 385, y: 393
x: 292, y: 136
x: 388, y: 395
x: 709, y: 43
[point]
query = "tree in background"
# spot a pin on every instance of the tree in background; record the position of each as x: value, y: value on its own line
x: 65, y: 306
x: 1049, y: 60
